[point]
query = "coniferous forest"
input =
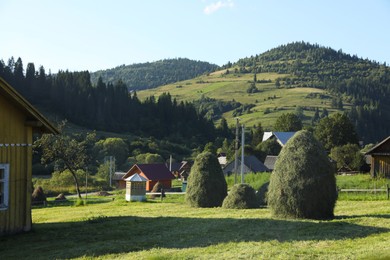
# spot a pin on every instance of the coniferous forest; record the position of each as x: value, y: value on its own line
x: 107, y: 106
x: 363, y: 83
x: 107, y: 100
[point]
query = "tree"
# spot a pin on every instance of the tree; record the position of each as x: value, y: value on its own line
x: 335, y: 130
x: 206, y: 185
x: 210, y: 147
x: 268, y: 147
x: 113, y: 146
x: 303, y: 184
x: 66, y: 151
x: 223, y: 128
x: 348, y: 155
x: 241, y: 196
x: 257, y: 135
x: 288, y: 122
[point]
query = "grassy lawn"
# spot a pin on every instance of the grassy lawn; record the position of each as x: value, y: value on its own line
x: 109, y: 229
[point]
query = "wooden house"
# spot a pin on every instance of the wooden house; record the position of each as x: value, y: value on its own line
x: 380, y: 159
x: 153, y: 173
x: 18, y: 121
x: 117, y: 180
x: 180, y: 170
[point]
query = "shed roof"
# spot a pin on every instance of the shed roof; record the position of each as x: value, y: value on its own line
x: 382, y: 148
x: 35, y: 118
x: 136, y: 178
x: 270, y: 161
x: 254, y: 164
x: 118, y: 176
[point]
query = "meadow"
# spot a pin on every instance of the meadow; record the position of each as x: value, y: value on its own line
x: 222, y: 86
x: 111, y: 228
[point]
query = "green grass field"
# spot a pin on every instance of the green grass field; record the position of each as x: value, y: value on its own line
x: 115, y: 229
x: 220, y: 86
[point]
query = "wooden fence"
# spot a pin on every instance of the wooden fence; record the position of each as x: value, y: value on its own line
x: 387, y: 190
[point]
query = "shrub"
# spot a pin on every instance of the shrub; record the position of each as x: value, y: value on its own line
x: 206, y: 185
x: 303, y: 183
x: 241, y: 196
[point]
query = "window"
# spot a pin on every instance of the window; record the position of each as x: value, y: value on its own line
x: 4, y: 183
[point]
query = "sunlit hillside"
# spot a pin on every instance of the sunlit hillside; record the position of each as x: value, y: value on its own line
x: 268, y: 103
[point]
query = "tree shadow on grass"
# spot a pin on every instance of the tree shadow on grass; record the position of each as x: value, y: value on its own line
x: 384, y: 216
x: 102, y: 235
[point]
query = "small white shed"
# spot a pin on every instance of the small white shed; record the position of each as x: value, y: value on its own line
x: 136, y: 188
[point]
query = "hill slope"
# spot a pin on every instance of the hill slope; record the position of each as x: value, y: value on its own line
x: 153, y: 74
x: 294, y: 77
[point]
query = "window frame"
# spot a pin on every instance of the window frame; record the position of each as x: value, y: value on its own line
x: 5, y: 181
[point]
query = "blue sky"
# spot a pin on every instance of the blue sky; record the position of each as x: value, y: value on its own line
x: 101, y: 34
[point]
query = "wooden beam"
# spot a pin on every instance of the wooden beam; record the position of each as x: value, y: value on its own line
x: 33, y: 123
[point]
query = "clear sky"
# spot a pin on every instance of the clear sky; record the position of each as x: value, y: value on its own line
x: 101, y: 34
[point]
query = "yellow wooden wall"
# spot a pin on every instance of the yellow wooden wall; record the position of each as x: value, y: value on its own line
x: 16, y: 150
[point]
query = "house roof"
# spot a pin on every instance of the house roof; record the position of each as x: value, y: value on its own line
x: 34, y: 117
x: 175, y: 166
x: 157, y: 171
x: 254, y: 164
x: 136, y: 178
x: 118, y: 176
x: 383, y: 148
x: 269, y: 161
x: 281, y: 137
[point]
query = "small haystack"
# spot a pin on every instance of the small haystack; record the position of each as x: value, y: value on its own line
x: 38, y: 196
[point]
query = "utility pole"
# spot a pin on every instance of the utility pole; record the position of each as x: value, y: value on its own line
x: 236, y: 153
x: 242, y: 151
x: 111, y: 166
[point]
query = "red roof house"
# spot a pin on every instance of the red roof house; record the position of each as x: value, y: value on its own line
x: 153, y: 173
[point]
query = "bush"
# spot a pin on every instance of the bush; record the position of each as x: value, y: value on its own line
x: 241, y: 196
x: 303, y: 183
x: 206, y: 185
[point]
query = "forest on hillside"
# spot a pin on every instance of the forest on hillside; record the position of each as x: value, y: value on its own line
x: 153, y: 74
x: 360, y: 82
x: 108, y: 106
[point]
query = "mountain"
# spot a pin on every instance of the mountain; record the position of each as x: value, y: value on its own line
x: 307, y: 79
x: 152, y: 74
x: 299, y: 77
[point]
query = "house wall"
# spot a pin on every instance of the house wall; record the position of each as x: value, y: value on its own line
x: 380, y: 165
x: 120, y: 184
x: 16, y: 150
x: 167, y: 184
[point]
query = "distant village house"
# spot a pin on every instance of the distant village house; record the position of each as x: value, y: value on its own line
x: 153, y: 173
x: 380, y: 158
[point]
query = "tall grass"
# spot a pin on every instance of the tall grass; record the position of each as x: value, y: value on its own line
x: 356, y: 181
x: 256, y: 180
x: 361, y: 181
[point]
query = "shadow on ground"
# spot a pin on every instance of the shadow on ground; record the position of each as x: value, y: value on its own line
x: 102, y: 235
